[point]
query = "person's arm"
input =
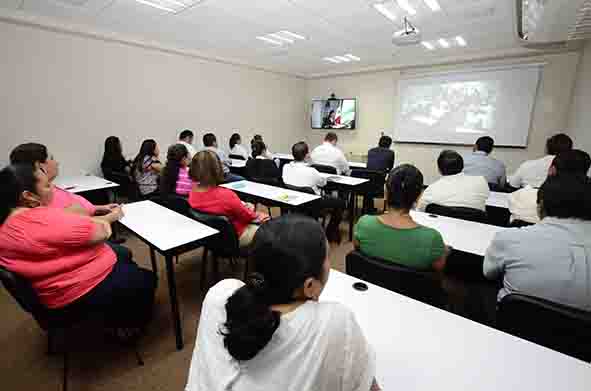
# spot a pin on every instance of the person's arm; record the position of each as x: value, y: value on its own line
x: 101, y: 232
x: 344, y: 164
x: 425, y: 199
x: 320, y: 180
x: 439, y: 251
x: 77, y: 209
x: 156, y: 167
x: 237, y: 210
x: 62, y: 229
x: 105, y: 209
x: 516, y: 180
x: 493, y: 266
x: 115, y: 214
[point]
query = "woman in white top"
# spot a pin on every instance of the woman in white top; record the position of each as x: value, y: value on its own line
x: 236, y: 147
x: 272, y: 333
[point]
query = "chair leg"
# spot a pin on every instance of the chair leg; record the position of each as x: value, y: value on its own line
x: 204, y: 268
x: 216, y: 268
x: 270, y: 212
x: 245, y: 268
x: 140, y: 361
x: 65, y: 379
x: 50, y: 342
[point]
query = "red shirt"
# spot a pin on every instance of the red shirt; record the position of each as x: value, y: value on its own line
x: 62, y: 199
x: 221, y: 201
x: 49, y: 247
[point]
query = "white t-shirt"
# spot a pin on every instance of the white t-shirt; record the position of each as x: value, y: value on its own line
x: 458, y: 190
x: 532, y: 172
x: 317, y: 347
x: 240, y: 151
x: 523, y: 205
x: 300, y: 174
x: 330, y: 155
x: 190, y: 148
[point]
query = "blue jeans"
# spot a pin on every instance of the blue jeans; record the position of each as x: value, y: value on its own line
x: 229, y: 177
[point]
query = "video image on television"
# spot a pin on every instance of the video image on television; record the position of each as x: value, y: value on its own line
x: 334, y: 114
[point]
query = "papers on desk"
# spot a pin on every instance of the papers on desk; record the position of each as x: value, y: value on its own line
x: 82, y: 183
x: 273, y: 193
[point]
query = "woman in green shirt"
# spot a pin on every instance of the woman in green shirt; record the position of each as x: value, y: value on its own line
x: 395, y: 236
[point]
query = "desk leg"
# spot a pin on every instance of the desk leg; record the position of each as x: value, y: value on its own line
x: 352, y: 212
x: 174, y: 304
x: 153, y: 259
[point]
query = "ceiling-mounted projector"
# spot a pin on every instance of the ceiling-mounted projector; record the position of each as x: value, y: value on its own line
x: 407, y: 36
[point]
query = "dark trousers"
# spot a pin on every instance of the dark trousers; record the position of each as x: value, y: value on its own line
x: 335, y: 208
x: 125, y: 298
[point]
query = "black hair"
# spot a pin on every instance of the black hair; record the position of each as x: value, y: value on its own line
x: 405, y: 185
x: 209, y: 139
x: 113, y: 151
x: 176, y: 153
x: 574, y: 161
x: 299, y: 151
x: 234, y: 140
x: 485, y: 144
x: 29, y: 153
x: 286, y: 252
x: 186, y: 134
x: 15, y: 179
x: 566, y: 196
x: 450, y: 162
x: 147, y: 149
x: 385, y: 142
x: 330, y: 137
x: 257, y: 148
x: 558, y: 144
x: 255, y: 138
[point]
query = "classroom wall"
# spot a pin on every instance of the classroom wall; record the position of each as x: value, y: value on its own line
x: 70, y: 92
x: 377, y: 94
x: 580, y: 114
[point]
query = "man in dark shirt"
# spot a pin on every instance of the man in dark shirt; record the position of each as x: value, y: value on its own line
x: 381, y: 158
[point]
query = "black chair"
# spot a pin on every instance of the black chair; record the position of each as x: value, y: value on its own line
x: 555, y: 326
x: 372, y: 189
x: 53, y: 322
x: 173, y: 202
x: 225, y: 244
x: 458, y: 212
x: 419, y: 285
x: 237, y: 157
x: 519, y: 224
x: 325, y: 168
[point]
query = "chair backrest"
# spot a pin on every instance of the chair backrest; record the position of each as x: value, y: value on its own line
x: 558, y: 327
x: 458, y: 212
x: 173, y: 202
x: 226, y: 242
x: 519, y: 224
x: 377, y: 180
x: 24, y: 294
x: 237, y: 157
x: 419, y: 285
x: 325, y: 169
x: 263, y: 171
x: 308, y: 190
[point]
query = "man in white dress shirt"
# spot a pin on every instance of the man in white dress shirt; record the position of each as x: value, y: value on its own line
x: 454, y: 188
x: 186, y: 139
x: 329, y: 155
x: 534, y: 172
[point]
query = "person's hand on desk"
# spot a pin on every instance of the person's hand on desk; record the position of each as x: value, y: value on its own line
x: 113, y: 216
x: 105, y: 209
x: 262, y: 218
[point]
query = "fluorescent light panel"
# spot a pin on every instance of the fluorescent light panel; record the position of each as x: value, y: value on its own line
x: 381, y: 8
x: 331, y: 59
x: 339, y: 59
x: 281, y: 38
x: 433, y: 4
x: 461, y: 41
x: 343, y: 58
x: 269, y: 40
x: 443, y: 43
x: 405, y: 5
x: 173, y: 6
x: 160, y: 7
x: 352, y: 57
x: 428, y: 45
x: 292, y: 35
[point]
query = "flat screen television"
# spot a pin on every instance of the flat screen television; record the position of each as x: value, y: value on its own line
x: 334, y: 114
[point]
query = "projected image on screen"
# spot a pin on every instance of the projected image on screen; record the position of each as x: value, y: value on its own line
x: 467, y: 107
x: 457, y: 108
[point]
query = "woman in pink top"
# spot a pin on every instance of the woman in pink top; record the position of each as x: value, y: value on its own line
x: 175, y: 175
x: 37, y: 155
x: 63, y: 254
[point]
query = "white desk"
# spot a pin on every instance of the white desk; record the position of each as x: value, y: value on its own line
x: 272, y: 193
x: 498, y: 200
x: 289, y: 156
x: 344, y: 180
x: 83, y: 183
x: 357, y: 165
x: 422, y: 348
x: 171, y: 234
x: 462, y: 235
x: 238, y: 163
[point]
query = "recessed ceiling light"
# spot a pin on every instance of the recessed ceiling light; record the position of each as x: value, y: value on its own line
x: 343, y: 58
x: 331, y: 59
x: 381, y: 8
x: 405, y: 5
x: 461, y: 41
x: 160, y: 7
x: 273, y: 41
x: 352, y: 57
x: 292, y: 35
x: 443, y: 43
x: 281, y: 38
x: 428, y: 45
x: 433, y: 4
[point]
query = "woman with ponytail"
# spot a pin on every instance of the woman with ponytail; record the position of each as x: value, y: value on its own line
x: 175, y: 175
x: 272, y: 333
x: 395, y: 236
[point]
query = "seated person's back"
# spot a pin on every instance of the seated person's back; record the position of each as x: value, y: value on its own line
x: 394, y: 236
x: 550, y: 260
x: 329, y: 155
x: 175, y: 175
x: 454, y: 188
x: 479, y: 163
x: 146, y: 168
x: 272, y: 333
x: 381, y: 158
x: 260, y: 168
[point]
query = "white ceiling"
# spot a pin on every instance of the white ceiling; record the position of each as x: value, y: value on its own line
x: 227, y: 29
